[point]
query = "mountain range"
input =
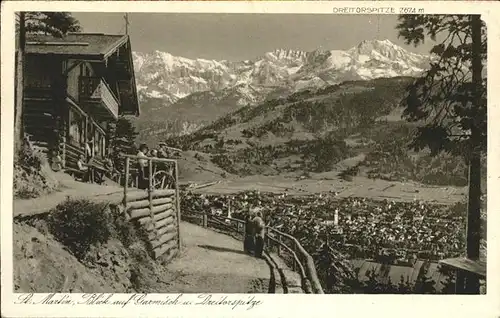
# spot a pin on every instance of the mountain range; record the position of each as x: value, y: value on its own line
x: 194, y: 92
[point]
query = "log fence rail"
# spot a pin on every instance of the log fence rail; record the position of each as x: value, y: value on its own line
x: 286, y: 246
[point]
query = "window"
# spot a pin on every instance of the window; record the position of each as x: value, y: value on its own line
x: 84, y: 70
x: 99, y: 143
x: 76, y: 128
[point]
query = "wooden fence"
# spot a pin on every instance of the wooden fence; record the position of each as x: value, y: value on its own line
x: 284, y: 244
x: 156, y: 209
x: 301, y: 260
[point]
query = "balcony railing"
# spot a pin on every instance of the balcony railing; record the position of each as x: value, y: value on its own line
x: 95, y: 89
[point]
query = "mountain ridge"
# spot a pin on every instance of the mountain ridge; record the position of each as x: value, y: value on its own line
x: 162, y: 75
x: 182, y: 95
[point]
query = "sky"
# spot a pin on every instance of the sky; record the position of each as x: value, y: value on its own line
x: 238, y: 37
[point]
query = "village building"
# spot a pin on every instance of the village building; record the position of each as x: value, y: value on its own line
x: 76, y: 87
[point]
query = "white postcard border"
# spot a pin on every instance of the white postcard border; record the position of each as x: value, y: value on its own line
x: 272, y: 305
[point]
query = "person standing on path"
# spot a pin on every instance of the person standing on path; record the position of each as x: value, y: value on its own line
x: 249, y: 242
x: 260, y: 232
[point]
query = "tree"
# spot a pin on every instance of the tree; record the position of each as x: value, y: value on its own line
x: 450, y: 99
x: 52, y: 23
x: 122, y: 140
x: 334, y: 270
x: 444, y: 97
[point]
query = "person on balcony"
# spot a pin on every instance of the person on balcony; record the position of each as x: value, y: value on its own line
x: 153, y: 153
x: 260, y: 232
x: 143, y: 167
x: 162, y: 153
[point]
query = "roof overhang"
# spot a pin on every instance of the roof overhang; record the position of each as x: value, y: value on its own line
x: 82, y: 57
x: 59, y: 48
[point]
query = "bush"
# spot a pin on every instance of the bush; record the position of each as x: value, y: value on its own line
x: 30, y: 181
x: 79, y: 224
x: 30, y: 158
x: 223, y: 162
x: 125, y: 231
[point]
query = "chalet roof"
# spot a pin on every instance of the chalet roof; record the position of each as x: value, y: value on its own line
x: 89, y: 46
x: 92, y: 45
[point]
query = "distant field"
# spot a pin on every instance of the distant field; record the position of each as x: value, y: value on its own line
x: 359, y: 187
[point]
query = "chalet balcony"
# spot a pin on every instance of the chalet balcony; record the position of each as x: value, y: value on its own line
x: 95, y: 93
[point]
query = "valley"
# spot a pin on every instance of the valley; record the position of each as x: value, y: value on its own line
x: 239, y: 121
x: 353, y: 129
x: 290, y: 113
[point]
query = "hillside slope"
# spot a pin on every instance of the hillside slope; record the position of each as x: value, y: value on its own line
x: 44, y: 264
x: 306, y: 131
x: 336, y: 132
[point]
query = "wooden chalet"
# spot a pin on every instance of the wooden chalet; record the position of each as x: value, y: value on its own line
x: 75, y: 87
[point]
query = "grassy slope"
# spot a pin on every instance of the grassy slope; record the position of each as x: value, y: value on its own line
x: 160, y: 121
x: 318, y: 131
x: 306, y: 131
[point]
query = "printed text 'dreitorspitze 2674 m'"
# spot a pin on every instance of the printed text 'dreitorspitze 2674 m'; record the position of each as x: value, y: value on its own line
x: 378, y: 10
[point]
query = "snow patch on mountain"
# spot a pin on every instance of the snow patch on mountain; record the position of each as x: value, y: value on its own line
x: 160, y: 75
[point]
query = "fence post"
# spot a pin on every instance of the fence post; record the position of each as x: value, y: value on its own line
x: 279, y: 245
x: 178, y: 205
x: 205, y: 220
x: 125, y: 186
x: 150, y: 196
x: 294, y: 261
x: 267, y: 241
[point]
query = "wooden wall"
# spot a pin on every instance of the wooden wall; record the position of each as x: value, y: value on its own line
x: 43, y: 112
x: 38, y: 72
x: 157, y: 212
x: 46, y: 109
x: 40, y: 123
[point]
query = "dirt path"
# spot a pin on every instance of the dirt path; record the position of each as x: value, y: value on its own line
x: 74, y: 190
x: 69, y: 188
x: 215, y: 263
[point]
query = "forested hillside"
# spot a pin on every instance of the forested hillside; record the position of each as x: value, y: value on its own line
x: 313, y: 131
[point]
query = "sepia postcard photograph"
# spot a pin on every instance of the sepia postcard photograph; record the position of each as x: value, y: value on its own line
x: 195, y: 153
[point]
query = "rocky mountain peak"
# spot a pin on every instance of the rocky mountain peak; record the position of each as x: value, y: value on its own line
x: 162, y: 75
